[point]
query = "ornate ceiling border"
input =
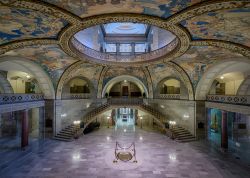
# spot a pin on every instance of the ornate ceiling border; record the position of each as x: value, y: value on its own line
x: 45, y: 8
x: 181, y: 33
x: 205, y: 7
x: 171, y: 24
x: 100, y: 81
x: 184, y: 77
x: 23, y: 43
x: 244, y: 50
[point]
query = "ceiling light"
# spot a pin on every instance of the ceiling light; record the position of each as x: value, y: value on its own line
x: 28, y: 76
x: 221, y: 77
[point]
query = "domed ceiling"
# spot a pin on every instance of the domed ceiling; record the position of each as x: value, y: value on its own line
x: 207, y: 31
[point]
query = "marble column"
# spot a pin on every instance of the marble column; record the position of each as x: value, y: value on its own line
x: 208, y: 120
x: 224, y: 135
x: 42, y: 122
x: 25, y: 129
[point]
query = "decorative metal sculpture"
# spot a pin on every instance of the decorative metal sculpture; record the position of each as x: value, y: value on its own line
x: 125, y: 154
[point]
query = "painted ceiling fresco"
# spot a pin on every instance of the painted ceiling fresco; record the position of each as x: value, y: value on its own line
x: 25, y: 24
x: 199, y: 58
x: 91, y: 72
x: 230, y: 25
x: 160, y: 71
x: 50, y: 57
x: 161, y: 8
x: 133, y: 71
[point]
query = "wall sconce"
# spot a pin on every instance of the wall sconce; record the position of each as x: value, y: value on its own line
x: 162, y: 106
x: 186, y: 116
x: 222, y: 77
x: 172, y: 123
x: 64, y: 115
x: 76, y: 122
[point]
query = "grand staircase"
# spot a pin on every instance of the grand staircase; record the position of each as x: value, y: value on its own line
x: 123, y: 102
x: 67, y: 134
x: 182, y: 135
x: 178, y: 133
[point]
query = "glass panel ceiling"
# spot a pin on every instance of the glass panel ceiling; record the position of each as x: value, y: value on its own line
x: 125, y: 28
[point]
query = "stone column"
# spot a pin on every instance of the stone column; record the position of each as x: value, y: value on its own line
x: 25, y: 128
x: 42, y: 122
x: 224, y: 136
x: 208, y: 116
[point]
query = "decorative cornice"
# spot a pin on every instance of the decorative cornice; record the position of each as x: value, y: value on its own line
x: 205, y: 7
x: 45, y: 8
x: 68, y: 74
x: 170, y: 24
x: 100, y: 81
x: 244, y: 50
x: 184, y: 77
x: 183, y: 36
x: 23, y: 43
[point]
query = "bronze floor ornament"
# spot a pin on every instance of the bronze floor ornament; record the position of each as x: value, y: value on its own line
x: 125, y: 154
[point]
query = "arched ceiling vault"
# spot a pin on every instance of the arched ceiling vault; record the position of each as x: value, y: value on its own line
x: 27, y: 23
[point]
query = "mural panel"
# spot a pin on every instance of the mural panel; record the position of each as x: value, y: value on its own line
x: 24, y: 23
x: 230, y: 25
x: 161, y: 8
x: 50, y: 57
x: 133, y: 71
x: 91, y: 72
x: 159, y: 72
x: 199, y: 58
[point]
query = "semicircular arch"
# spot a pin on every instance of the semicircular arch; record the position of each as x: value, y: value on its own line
x: 44, y: 81
x: 129, y: 78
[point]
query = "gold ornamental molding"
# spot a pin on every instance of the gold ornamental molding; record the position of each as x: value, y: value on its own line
x: 149, y: 82
x: 68, y: 74
x: 244, y: 50
x: 67, y: 34
x: 205, y: 7
x: 100, y: 81
x: 45, y: 8
x: 184, y: 77
x: 23, y: 43
x: 171, y: 24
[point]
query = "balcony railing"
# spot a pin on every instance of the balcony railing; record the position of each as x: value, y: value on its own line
x: 231, y: 99
x: 81, y: 49
x: 125, y: 101
x: 20, y: 98
x: 169, y: 96
x: 76, y: 96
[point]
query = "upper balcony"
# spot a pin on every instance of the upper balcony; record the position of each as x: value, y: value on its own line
x: 124, y: 42
x: 20, y: 98
x: 229, y: 99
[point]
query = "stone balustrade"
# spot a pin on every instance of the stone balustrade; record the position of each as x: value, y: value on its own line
x: 128, y: 101
x: 80, y: 49
x: 231, y: 99
x: 20, y: 98
x: 169, y: 96
x: 76, y: 96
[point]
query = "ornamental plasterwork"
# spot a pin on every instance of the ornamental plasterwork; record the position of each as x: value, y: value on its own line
x: 149, y: 81
x: 206, y: 7
x: 100, y: 82
x: 245, y: 51
x: 23, y: 43
x: 184, y: 77
x: 169, y: 24
x: 68, y: 33
x: 46, y: 8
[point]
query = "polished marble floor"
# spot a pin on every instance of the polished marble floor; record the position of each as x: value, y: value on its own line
x: 92, y: 156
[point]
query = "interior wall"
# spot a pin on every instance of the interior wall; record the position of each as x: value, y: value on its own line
x: 232, y: 87
x: 72, y: 110
x: 176, y: 111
